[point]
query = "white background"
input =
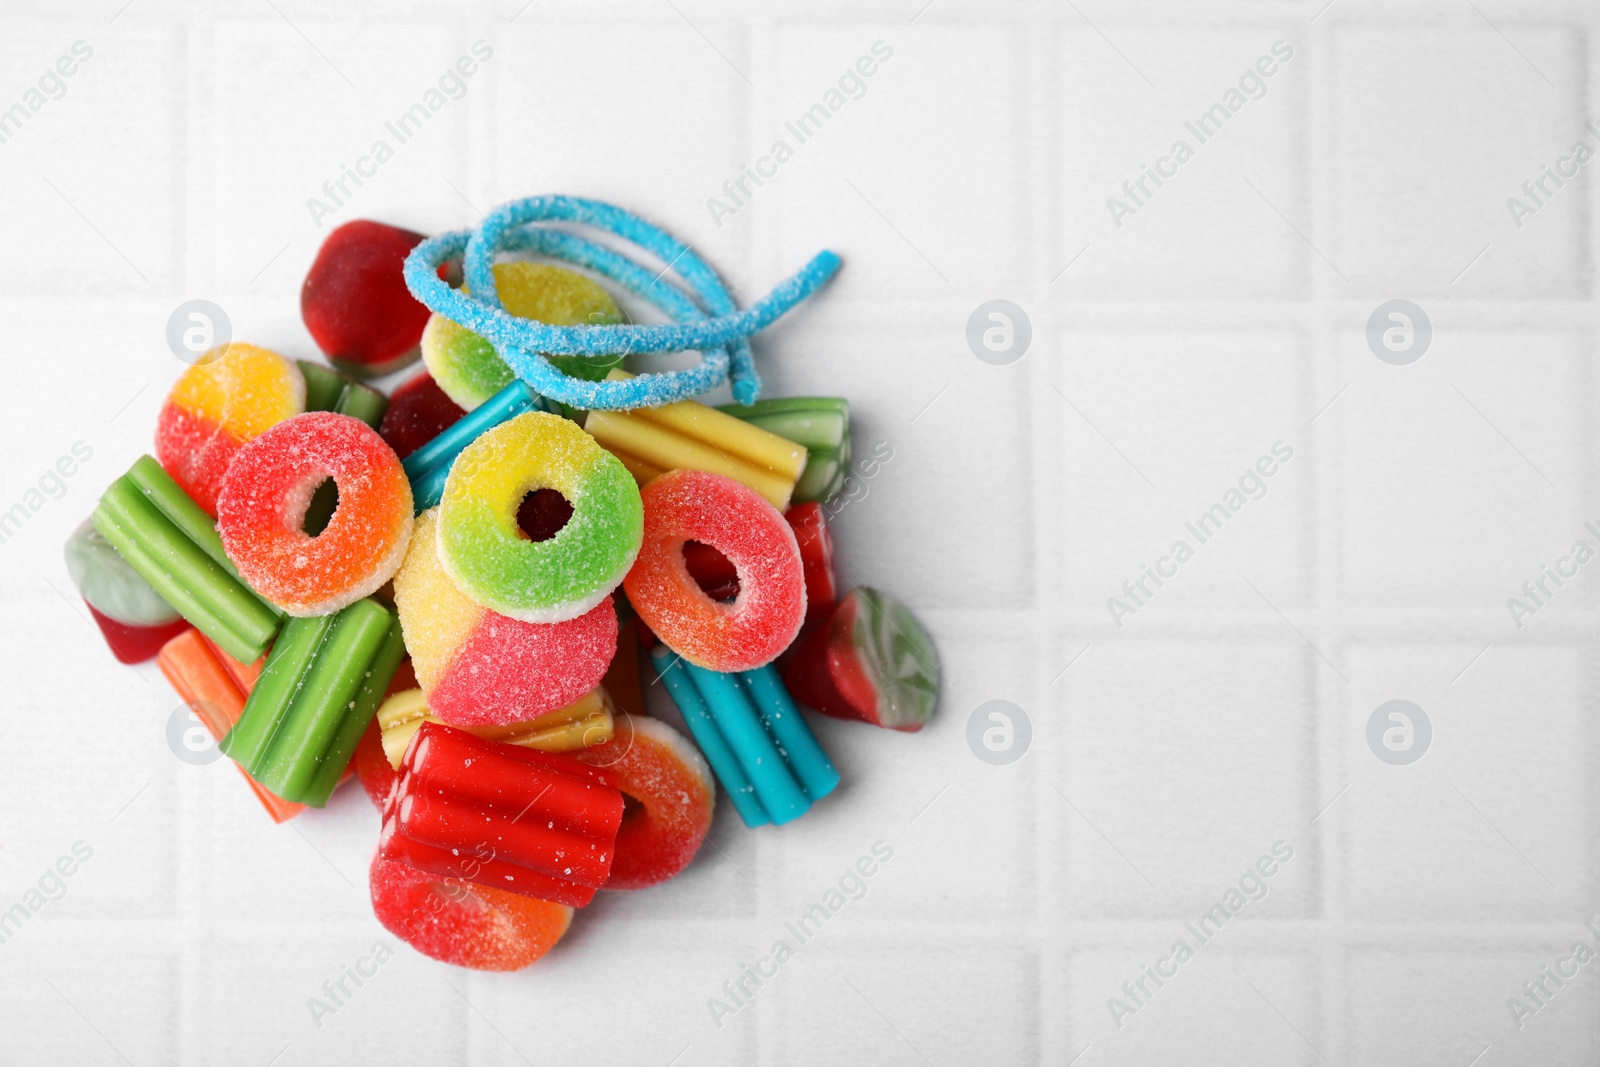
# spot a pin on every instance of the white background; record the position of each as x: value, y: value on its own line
x: 1167, y: 355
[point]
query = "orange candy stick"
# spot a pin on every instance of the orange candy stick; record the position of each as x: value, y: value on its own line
x: 215, y: 686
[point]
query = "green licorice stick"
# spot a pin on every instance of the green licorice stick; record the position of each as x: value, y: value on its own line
x: 328, y: 390
x: 814, y: 429
x: 818, y: 422
x: 185, y: 576
x: 135, y: 551
x: 359, y: 402
x: 374, y: 684
x: 247, y: 743
x: 326, y: 695
x: 821, y: 424
x: 323, y: 385
x: 821, y: 477
x: 151, y: 479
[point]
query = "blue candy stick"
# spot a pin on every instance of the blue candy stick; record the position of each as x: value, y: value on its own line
x: 429, y: 466
x: 698, y: 718
x: 741, y: 726
x: 795, y: 740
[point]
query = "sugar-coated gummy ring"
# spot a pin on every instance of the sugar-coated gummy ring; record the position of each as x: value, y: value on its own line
x: 462, y: 923
x: 477, y: 667
x: 659, y: 768
x: 520, y: 341
x: 689, y: 505
x: 262, y: 506
x: 233, y: 394
x: 485, y: 552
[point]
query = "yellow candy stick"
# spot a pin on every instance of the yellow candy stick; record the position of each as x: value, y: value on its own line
x: 624, y: 435
x: 741, y: 440
x: 642, y: 472
x: 585, y: 722
x: 692, y: 436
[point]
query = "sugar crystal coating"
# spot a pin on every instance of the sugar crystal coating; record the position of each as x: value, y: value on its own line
x: 659, y: 768
x: 465, y: 365
x: 493, y: 562
x: 262, y: 508
x: 461, y: 923
x: 477, y: 667
x: 686, y: 505
x: 216, y: 407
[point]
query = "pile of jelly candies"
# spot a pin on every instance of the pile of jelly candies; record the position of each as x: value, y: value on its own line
x: 452, y: 593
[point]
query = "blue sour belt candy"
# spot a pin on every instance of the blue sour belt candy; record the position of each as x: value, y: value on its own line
x: 713, y: 325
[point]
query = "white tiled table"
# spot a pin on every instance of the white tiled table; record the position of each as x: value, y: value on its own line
x: 1228, y: 713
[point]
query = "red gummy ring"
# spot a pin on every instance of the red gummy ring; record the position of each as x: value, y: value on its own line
x: 689, y: 505
x: 674, y: 798
x: 458, y: 922
x: 262, y: 507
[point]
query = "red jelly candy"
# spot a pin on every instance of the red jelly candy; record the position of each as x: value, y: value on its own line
x: 372, y: 767
x: 355, y: 301
x: 135, y: 644
x: 810, y: 525
x: 621, y: 682
x: 418, y: 412
x: 672, y: 797
x: 463, y: 924
x: 536, y: 823
x: 871, y: 662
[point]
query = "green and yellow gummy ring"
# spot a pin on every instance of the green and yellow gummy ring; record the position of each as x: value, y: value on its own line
x: 489, y: 557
